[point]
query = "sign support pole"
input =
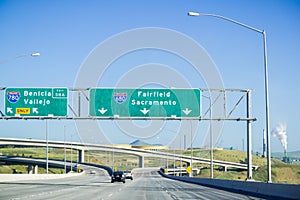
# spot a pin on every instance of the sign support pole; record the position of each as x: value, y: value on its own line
x: 47, y: 164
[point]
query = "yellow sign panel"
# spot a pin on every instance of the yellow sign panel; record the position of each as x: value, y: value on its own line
x: 188, y: 169
x: 115, y: 168
x: 22, y: 111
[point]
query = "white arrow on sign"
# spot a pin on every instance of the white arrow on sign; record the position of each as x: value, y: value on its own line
x: 144, y: 111
x: 187, y: 111
x: 35, y: 110
x: 102, y: 110
x: 9, y: 110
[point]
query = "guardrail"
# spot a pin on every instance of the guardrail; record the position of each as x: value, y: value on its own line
x: 271, y: 190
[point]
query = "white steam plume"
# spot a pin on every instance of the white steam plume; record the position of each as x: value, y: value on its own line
x: 280, y: 132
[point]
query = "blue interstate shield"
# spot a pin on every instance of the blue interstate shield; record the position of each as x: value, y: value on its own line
x: 13, y: 97
x: 120, y: 97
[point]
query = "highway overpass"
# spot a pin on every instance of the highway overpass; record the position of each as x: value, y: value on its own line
x: 34, y: 163
x: 140, y: 153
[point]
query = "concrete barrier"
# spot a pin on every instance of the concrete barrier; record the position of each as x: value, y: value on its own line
x: 276, y: 190
x: 26, y: 177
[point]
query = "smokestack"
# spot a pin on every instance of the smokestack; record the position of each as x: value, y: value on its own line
x: 264, y: 154
x: 285, y: 154
x: 286, y: 159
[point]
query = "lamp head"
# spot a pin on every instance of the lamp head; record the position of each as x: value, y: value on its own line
x: 193, y: 14
x: 35, y: 54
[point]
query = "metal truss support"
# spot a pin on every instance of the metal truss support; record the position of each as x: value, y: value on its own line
x: 249, y: 136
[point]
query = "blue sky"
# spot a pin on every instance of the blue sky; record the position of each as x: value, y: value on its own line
x: 66, y: 32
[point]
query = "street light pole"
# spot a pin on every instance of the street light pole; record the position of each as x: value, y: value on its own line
x: 71, y: 153
x: 211, y: 138
x: 211, y: 142
x: 181, y: 152
x: 267, y: 108
x: 191, y: 165
x: 65, y: 155
x: 263, y: 32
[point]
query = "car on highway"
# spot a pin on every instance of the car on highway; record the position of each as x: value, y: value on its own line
x: 128, y: 174
x: 118, y: 176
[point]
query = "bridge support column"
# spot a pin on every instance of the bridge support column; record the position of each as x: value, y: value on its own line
x: 80, y: 156
x: 36, y: 169
x: 225, y: 168
x: 29, y: 169
x: 141, y: 161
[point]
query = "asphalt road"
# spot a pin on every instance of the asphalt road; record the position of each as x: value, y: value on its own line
x: 147, y: 184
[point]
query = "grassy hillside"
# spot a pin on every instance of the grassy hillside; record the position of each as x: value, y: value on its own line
x: 281, y: 172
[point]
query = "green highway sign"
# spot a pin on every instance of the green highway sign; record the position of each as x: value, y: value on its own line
x: 169, y: 103
x: 36, y: 101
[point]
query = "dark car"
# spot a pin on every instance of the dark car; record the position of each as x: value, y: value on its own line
x: 118, y: 176
x: 128, y: 174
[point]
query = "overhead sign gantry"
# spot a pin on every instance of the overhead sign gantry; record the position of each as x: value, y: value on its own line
x: 119, y: 103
